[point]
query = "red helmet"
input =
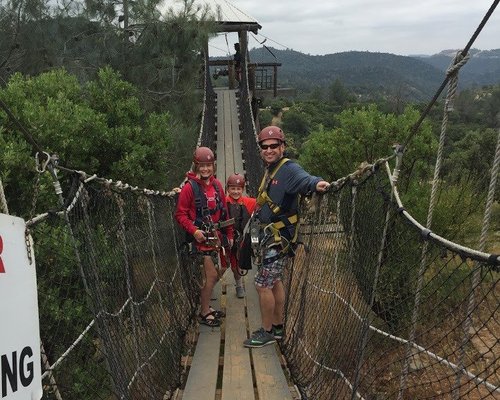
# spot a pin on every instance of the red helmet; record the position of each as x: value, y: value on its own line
x: 236, y: 180
x: 271, y: 132
x: 203, y: 155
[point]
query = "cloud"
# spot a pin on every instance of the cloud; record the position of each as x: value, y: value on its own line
x: 399, y: 27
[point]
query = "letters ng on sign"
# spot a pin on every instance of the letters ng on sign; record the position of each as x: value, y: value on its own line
x: 20, y: 370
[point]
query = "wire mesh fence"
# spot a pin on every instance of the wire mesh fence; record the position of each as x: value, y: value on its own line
x: 254, y: 168
x: 116, y: 299
x: 208, y: 127
x: 378, y: 308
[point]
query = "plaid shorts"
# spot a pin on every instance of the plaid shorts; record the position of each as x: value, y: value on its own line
x: 270, y: 272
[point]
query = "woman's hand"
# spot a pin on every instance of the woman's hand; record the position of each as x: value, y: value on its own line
x: 199, y: 236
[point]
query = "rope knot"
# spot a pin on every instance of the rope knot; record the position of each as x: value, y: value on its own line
x: 458, y: 62
x: 452, y: 73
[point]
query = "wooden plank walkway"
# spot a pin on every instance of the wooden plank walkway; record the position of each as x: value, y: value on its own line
x: 229, y: 155
x: 221, y: 368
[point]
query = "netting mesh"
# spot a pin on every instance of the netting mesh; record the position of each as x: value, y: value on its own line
x: 208, y: 124
x: 377, y: 307
x: 254, y: 167
x: 115, y: 298
x: 374, y: 311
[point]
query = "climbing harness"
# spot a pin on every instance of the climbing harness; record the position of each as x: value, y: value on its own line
x: 263, y: 197
x: 240, y: 214
x: 276, y: 233
x: 203, y: 221
x: 241, y: 217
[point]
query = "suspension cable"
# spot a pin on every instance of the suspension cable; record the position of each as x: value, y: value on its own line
x: 274, y: 41
x: 463, y: 53
x: 27, y: 135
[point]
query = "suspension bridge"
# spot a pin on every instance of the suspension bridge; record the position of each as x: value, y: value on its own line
x: 378, y: 305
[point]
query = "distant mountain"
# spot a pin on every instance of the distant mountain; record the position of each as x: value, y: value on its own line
x: 376, y: 75
x: 483, y: 68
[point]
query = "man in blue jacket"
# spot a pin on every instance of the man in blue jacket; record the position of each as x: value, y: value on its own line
x: 278, y: 198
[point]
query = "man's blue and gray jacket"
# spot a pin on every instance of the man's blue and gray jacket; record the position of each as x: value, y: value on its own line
x: 284, y: 189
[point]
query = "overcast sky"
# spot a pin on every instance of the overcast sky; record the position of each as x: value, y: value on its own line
x: 401, y: 27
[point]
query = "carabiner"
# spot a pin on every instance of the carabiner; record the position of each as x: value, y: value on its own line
x: 41, y: 166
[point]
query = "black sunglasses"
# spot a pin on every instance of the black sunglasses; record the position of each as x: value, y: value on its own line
x: 269, y: 146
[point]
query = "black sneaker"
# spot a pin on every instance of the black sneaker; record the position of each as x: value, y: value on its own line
x: 277, y: 332
x: 259, y: 338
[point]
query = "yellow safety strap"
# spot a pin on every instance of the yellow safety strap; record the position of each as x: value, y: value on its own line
x: 274, y: 228
x: 263, y: 197
x: 280, y: 224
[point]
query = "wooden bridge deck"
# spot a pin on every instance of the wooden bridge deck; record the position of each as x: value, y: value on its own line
x: 221, y: 367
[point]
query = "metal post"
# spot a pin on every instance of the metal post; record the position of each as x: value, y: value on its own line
x: 275, y: 81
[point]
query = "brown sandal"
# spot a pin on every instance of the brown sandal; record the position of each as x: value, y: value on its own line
x: 206, y: 320
x: 217, y: 313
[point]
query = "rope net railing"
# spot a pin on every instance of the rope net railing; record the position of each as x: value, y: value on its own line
x: 209, y: 115
x: 116, y: 299
x: 119, y: 297
x: 118, y: 294
x: 254, y: 167
x: 364, y: 320
x: 378, y: 305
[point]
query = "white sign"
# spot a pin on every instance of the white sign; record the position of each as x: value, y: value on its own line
x: 20, y: 370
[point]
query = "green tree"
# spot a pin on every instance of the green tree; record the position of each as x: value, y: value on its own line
x: 338, y: 94
x: 265, y: 118
x: 276, y: 106
x: 161, y: 53
x: 471, y: 158
x: 365, y: 134
x: 316, y: 94
x: 296, y: 123
x: 99, y: 128
x: 321, y: 113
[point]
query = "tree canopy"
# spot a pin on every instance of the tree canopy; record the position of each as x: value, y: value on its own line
x: 112, y: 87
x: 363, y: 134
x: 96, y: 127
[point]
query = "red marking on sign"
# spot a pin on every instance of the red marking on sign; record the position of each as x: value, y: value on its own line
x: 2, y: 268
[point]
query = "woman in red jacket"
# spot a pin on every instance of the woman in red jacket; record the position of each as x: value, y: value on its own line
x: 200, y: 217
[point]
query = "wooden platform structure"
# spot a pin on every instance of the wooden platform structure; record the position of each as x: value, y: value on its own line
x: 221, y: 367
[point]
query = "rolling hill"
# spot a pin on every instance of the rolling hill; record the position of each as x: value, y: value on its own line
x: 377, y: 75
x: 483, y: 68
